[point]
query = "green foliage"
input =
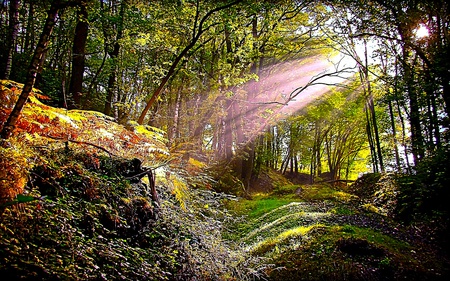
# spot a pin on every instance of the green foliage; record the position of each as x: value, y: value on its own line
x: 423, y: 195
x: 285, y: 189
x: 95, y: 224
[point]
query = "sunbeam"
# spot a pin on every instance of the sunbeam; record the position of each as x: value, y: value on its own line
x: 285, y: 88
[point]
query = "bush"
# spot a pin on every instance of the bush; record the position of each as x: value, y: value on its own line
x: 423, y: 195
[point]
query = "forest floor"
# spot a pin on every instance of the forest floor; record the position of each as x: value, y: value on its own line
x: 320, y: 232
x: 71, y: 208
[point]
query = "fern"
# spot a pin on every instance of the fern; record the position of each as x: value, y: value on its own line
x: 180, y: 190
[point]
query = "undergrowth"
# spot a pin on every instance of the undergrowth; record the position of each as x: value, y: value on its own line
x: 88, y: 222
x: 321, y: 232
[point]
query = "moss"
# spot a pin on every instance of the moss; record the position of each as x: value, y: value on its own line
x: 324, y: 192
x: 348, y: 253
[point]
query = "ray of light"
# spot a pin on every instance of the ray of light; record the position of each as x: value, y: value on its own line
x: 286, y: 88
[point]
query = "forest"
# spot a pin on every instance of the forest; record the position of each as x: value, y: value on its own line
x: 224, y: 140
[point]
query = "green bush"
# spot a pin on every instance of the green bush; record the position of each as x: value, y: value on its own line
x: 423, y: 195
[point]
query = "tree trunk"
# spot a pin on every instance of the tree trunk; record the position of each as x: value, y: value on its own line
x: 228, y: 132
x: 29, y: 36
x: 114, y: 55
x: 78, y: 56
x: 174, y: 131
x: 372, y: 127
x: 12, y: 35
x: 394, y: 136
x: 34, y: 68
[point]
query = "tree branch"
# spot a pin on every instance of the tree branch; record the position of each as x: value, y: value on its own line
x: 183, y: 53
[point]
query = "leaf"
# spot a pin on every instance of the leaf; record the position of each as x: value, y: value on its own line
x: 20, y: 198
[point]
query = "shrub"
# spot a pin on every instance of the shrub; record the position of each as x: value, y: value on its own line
x: 423, y: 195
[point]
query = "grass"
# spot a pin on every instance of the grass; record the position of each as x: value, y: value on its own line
x: 285, y: 239
x: 346, y: 252
x: 300, y: 237
x: 259, y: 205
x: 324, y: 192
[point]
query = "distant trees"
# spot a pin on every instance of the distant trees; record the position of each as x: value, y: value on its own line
x: 326, y: 140
x: 79, y: 54
x: 11, y: 36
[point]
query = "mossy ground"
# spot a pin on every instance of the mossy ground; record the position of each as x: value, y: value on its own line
x: 320, y: 233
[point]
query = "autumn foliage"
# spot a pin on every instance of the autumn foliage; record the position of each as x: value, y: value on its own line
x: 42, y: 126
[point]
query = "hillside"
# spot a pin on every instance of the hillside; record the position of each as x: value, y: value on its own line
x: 84, y: 198
x: 320, y: 232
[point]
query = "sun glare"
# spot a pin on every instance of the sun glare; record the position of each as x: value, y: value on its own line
x: 421, y: 32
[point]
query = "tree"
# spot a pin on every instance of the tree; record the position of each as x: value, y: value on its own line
x: 78, y: 54
x: 113, y: 54
x: 34, y: 68
x: 197, y: 31
x: 12, y: 35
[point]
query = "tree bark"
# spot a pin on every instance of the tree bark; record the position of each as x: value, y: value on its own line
x: 34, y: 68
x: 394, y: 136
x: 174, y: 130
x: 228, y: 132
x: 114, y: 55
x: 29, y: 36
x: 78, y: 55
x: 12, y: 35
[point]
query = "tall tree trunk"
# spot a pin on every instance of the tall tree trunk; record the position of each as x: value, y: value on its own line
x: 247, y: 164
x: 240, y: 140
x: 29, y: 36
x: 228, y: 132
x: 434, y: 137
x: 250, y: 123
x: 174, y: 131
x: 372, y: 126
x: 114, y: 55
x: 394, y: 136
x: 414, y: 115
x: 34, y: 68
x: 375, y: 130
x: 404, y: 135
x: 12, y: 35
x: 408, y: 65
x: 78, y: 55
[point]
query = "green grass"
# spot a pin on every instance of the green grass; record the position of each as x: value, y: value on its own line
x: 284, y: 239
x: 299, y: 236
x: 324, y: 192
x: 258, y: 205
x: 343, y: 210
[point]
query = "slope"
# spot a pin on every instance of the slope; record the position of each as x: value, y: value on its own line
x: 77, y: 203
x: 320, y: 232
